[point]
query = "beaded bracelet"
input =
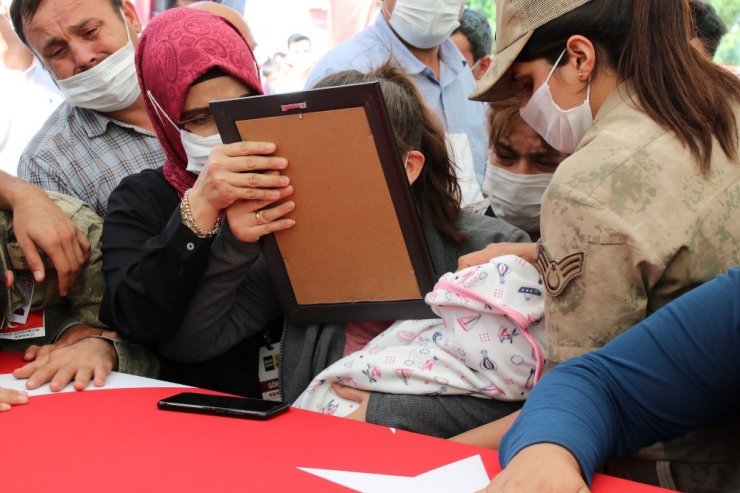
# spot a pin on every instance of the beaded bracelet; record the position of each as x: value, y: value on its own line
x: 187, y: 219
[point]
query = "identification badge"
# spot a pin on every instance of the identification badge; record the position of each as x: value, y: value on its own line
x: 33, y: 327
x: 269, y: 371
x: 20, y: 316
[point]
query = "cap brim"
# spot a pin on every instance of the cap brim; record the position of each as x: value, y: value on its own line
x: 493, y: 86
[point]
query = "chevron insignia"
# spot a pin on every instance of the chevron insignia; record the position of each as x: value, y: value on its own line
x: 557, y: 274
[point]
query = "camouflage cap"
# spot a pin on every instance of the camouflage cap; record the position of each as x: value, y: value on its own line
x: 516, y: 21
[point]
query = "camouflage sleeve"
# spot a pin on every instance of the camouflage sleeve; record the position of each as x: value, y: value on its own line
x: 593, y: 266
x: 136, y: 359
x: 87, y: 292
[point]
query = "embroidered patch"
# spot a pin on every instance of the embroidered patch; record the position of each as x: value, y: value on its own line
x: 557, y: 274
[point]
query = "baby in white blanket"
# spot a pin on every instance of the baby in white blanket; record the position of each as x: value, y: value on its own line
x: 488, y: 343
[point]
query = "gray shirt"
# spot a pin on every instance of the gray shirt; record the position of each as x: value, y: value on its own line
x: 84, y: 153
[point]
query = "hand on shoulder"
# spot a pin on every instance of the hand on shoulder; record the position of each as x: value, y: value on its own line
x: 39, y: 224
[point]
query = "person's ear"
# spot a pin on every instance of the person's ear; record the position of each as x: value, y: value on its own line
x: 581, y: 56
x: 414, y: 165
x: 482, y: 66
x: 132, y: 17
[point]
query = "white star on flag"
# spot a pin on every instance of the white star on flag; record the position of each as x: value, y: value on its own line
x: 464, y: 475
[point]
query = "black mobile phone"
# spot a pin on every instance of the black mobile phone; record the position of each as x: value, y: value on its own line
x: 223, y: 405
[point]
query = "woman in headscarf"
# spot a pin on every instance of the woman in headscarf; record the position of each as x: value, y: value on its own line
x: 160, y: 224
x: 234, y: 303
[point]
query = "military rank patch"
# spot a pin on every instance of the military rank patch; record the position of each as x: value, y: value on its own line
x: 557, y: 274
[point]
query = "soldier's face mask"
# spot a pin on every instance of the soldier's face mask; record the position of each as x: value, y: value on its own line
x: 562, y: 129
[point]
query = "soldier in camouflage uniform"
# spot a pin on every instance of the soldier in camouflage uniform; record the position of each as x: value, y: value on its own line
x: 648, y: 206
x: 69, y: 321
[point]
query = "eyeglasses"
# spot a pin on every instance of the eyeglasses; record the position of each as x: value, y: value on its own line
x: 197, y: 123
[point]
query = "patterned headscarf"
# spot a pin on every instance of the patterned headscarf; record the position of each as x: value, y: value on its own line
x: 176, y: 48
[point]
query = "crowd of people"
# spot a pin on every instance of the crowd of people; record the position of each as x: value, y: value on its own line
x: 578, y: 188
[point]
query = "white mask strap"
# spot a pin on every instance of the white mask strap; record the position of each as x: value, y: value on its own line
x: 125, y: 23
x: 552, y: 71
x: 159, y: 110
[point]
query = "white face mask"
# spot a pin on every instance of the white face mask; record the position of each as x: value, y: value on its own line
x: 515, y: 198
x: 197, y: 149
x: 562, y: 129
x: 425, y: 23
x: 111, y: 85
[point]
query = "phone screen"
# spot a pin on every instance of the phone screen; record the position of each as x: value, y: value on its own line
x: 243, y: 407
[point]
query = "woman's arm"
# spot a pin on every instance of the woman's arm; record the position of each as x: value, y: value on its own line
x: 674, y: 372
x: 489, y: 435
x: 235, y: 299
x: 596, y: 268
x: 152, y: 263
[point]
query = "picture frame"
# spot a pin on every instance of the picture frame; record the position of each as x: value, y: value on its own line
x: 357, y: 250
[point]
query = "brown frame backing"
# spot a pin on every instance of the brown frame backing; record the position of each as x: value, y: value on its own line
x: 357, y: 251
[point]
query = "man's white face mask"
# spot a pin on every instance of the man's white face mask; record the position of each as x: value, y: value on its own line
x: 110, y: 85
x: 425, y: 23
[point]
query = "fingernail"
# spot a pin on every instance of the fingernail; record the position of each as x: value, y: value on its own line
x: 38, y: 275
x: 4, y: 407
x: 23, y: 398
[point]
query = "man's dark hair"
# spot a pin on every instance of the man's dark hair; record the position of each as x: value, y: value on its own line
x: 23, y: 10
x: 475, y: 27
x: 708, y: 25
x: 297, y: 38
